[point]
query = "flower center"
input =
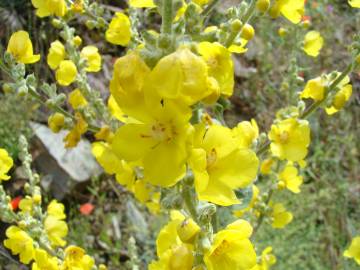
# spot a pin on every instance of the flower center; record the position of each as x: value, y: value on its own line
x: 213, y: 62
x: 211, y: 158
x: 284, y: 137
x: 224, y: 245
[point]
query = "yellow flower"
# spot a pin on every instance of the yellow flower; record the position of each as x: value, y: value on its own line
x: 56, y: 54
x: 177, y: 258
x: 187, y: 230
x: 115, y: 109
x: 21, y: 48
x: 93, y: 58
x: 220, y: 64
x: 314, y: 89
x: 246, y: 133
x: 74, y: 136
x: 26, y: 205
x: 266, y: 165
x: 19, y: 242
x: 290, y: 9
x: 46, y: 8
x: 127, y: 83
x: 142, y: 3
x: 54, y: 225
x: 43, y: 261
x: 354, y: 250
x: 56, y: 209
x: 162, y: 133
x: 113, y: 165
x: 77, y: 100
x: 220, y: 166
x: 290, y: 139
x: 313, y: 42
x: 183, y: 76
x: 201, y: 2
x: 6, y: 163
x: 172, y: 253
x: 232, y: 248
x: 254, y: 199
x: 56, y: 122
x: 280, y: 216
x: 78, y: 6
x: 354, y: 3
x: 119, y: 31
x: 76, y: 259
x: 340, y: 99
x: 239, y: 46
x: 267, y: 260
x: 104, y: 134
x: 290, y: 179
x: 66, y: 73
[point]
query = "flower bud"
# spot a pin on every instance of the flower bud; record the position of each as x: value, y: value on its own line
x: 263, y: 5
x: 22, y: 91
x: 37, y: 198
x: 281, y: 185
x: 187, y: 230
x: 357, y: 59
x: 90, y: 24
x: 56, y: 122
x: 77, y: 41
x: 339, y: 100
x: 282, y: 32
x: 7, y: 88
x: 56, y: 23
x: 248, y: 32
x: 236, y: 25
x: 22, y: 224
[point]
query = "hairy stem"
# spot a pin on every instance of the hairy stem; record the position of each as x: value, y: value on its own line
x: 167, y: 17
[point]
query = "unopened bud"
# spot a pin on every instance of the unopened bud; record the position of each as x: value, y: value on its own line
x: 236, y: 25
x: 263, y: 5
x: 90, y: 24
x: 187, y: 230
x: 56, y: 23
x: 37, y: 198
x: 22, y: 91
x: 248, y: 32
x: 77, y: 41
x: 282, y: 32
x: 7, y: 88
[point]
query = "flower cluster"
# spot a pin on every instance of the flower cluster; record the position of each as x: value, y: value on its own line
x: 38, y: 238
x: 163, y: 135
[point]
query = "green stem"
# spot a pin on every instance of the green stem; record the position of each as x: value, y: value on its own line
x: 262, y: 215
x: 245, y: 19
x: 189, y: 202
x: 210, y: 8
x: 167, y: 17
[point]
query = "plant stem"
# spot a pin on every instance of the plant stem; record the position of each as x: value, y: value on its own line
x: 262, y: 216
x: 210, y: 8
x: 189, y: 202
x: 167, y: 17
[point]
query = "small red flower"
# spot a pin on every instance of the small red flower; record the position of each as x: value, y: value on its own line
x: 86, y: 209
x: 15, y: 203
x: 306, y: 18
